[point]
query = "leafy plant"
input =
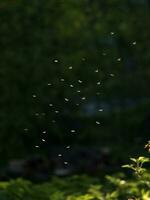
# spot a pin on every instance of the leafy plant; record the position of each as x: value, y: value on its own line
x: 142, y: 174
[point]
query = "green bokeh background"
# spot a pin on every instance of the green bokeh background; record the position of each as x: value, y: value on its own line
x: 33, y: 34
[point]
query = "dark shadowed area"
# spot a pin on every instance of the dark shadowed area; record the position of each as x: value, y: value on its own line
x: 74, y: 82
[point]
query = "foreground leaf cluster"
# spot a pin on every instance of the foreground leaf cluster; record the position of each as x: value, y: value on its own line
x: 78, y: 188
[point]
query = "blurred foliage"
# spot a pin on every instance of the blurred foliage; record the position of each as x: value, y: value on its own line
x: 76, y: 188
x: 86, y: 35
x: 84, y: 187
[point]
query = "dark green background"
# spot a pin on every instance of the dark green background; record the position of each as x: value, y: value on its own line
x: 77, y: 33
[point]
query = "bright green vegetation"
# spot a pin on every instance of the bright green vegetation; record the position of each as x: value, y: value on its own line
x: 77, y: 188
x: 83, y: 187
